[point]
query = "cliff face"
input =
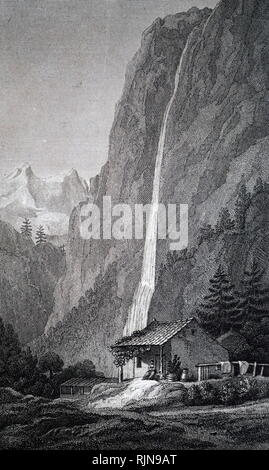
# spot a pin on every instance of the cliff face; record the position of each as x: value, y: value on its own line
x: 128, y: 174
x: 28, y: 278
x: 217, y: 135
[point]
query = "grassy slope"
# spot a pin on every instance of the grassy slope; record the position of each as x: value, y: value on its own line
x: 40, y: 424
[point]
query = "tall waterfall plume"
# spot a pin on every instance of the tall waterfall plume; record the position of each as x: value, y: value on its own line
x: 138, y: 312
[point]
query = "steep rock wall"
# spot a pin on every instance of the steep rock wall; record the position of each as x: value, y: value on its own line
x: 217, y: 135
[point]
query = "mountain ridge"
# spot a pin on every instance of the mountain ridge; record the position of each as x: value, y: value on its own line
x: 46, y: 201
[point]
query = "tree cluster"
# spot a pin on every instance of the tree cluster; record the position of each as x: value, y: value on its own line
x: 40, y: 236
x: 24, y: 372
x: 225, y: 220
x: 245, y: 311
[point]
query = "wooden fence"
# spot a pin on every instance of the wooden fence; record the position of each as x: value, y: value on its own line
x: 207, y: 370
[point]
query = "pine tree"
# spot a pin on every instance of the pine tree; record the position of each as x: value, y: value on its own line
x: 26, y: 228
x: 254, y: 298
x: 219, y: 311
x: 11, y: 359
x: 241, y: 206
x: 40, y: 235
x: 224, y: 222
x: 254, y: 304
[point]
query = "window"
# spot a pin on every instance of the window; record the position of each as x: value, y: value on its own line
x: 218, y: 367
x: 138, y: 362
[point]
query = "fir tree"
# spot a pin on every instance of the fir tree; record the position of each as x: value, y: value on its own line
x: 17, y: 367
x: 219, y: 311
x: 254, y: 303
x: 241, y: 206
x: 26, y: 228
x: 40, y: 235
x: 254, y: 298
x: 224, y: 222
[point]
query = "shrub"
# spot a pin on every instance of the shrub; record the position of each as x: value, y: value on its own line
x: 193, y: 396
x: 259, y: 389
x: 229, y: 393
x: 209, y: 393
x: 232, y: 391
x: 174, y: 367
x: 244, y: 386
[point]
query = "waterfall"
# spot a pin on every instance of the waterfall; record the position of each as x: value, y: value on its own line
x: 138, y: 312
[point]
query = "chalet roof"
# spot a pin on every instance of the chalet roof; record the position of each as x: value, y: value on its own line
x: 155, y: 334
x: 82, y: 382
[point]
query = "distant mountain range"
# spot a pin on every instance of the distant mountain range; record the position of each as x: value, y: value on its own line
x: 46, y: 202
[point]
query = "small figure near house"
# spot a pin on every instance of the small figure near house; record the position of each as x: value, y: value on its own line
x: 151, y: 374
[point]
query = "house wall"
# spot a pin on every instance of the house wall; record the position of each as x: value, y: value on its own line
x: 193, y: 345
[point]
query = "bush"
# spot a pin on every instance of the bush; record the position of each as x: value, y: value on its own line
x: 229, y: 393
x: 259, y: 389
x: 209, y: 394
x: 232, y: 391
x: 193, y: 396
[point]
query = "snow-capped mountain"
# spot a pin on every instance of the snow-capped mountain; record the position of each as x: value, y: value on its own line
x: 46, y: 202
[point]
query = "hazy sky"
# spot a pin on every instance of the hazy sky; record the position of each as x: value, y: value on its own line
x: 62, y: 68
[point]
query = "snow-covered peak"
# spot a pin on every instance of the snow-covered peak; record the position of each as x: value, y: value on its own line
x: 72, y: 172
x: 26, y: 166
x: 23, y: 194
x: 25, y: 169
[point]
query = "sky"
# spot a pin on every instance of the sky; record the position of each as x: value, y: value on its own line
x: 62, y: 68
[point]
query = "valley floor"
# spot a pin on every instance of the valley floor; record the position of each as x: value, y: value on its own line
x: 41, y: 424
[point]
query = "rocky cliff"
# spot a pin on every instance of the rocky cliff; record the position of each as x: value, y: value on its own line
x: 217, y: 137
x: 28, y: 278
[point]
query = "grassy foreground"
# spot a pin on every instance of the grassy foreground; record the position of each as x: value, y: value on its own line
x: 37, y: 423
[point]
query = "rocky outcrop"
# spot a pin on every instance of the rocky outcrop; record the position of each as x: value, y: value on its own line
x: 217, y: 136
x: 28, y: 277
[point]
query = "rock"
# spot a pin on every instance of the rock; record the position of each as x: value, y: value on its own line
x: 135, y: 391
